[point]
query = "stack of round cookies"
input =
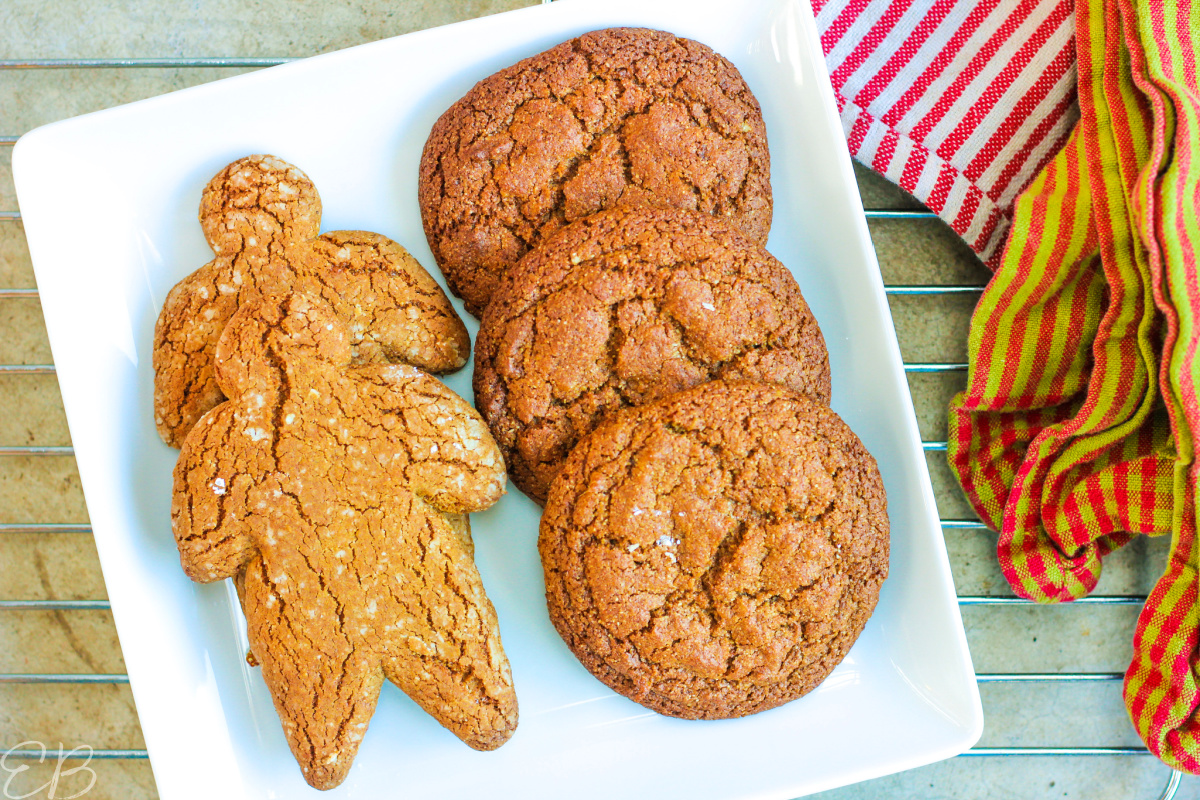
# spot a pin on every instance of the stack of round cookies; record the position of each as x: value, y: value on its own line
x: 714, y: 536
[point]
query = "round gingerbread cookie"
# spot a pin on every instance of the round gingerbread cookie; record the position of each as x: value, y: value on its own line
x: 613, y: 116
x: 715, y: 554
x: 625, y: 307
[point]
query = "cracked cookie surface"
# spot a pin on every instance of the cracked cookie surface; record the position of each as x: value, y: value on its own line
x: 336, y: 496
x: 261, y: 217
x: 717, y: 553
x: 614, y: 116
x: 625, y: 307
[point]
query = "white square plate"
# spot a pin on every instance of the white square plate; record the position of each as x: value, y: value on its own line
x: 109, y: 203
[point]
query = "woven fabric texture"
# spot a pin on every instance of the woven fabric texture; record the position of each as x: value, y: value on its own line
x: 1076, y: 430
x: 960, y: 102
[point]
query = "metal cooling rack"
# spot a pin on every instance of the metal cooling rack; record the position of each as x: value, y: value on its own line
x: 82, y: 606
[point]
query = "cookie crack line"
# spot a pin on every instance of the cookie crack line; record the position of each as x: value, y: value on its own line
x: 261, y: 216
x: 566, y: 172
x: 701, y: 585
x: 688, y: 641
x: 621, y: 97
x: 648, y: 319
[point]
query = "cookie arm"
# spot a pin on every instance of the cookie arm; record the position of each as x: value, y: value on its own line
x: 208, y: 503
x: 185, y: 339
x: 454, y: 462
x: 391, y: 300
x: 456, y: 670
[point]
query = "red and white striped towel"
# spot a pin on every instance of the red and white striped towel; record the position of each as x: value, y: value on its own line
x: 960, y: 102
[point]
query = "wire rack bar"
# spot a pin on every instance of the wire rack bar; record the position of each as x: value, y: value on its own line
x: 977, y: 600
x: 60, y: 677
x: 143, y: 63
x: 45, y: 527
x: 83, y: 527
x: 36, y: 450
x: 975, y: 751
x: 79, y: 752
x: 933, y: 447
x: 48, y: 369
x: 1101, y: 600
x: 880, y: 214
x: 1047, y: 677
x: 899, y: 213
x: 924, y: 367
x: 968, y: 524
x: 996, y: 677
x: 1056, y: 751
x: 8, y: 141
x: 54, y: 605
x: 84, y: 605
x: 27, y: 369
x: 931, y: 289
x: 1172, y: 785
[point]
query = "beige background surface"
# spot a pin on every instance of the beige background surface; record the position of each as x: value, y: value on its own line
x: 64, y: 566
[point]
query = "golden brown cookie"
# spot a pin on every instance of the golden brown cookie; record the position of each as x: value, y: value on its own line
x: 625, y: 307
x: 613, y: 116
x: 716, y: 553
x: 261, y: 216
x: 337, y: 496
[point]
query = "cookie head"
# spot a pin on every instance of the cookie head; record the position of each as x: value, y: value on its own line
x: 622, y: 115
x: 258, y: 207
x: 716, y: 553
x: 336, y: 495
x: 625, y: 307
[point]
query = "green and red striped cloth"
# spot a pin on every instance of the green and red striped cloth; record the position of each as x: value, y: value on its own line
x: 1075, y: 433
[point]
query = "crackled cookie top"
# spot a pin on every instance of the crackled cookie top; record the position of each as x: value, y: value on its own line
x: 337, y: 496
x: 716, y: 553
x: 614, y: 116
x: 622, y: 308
x: 261, y: 216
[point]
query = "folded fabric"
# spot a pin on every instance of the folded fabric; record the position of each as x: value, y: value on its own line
x: 1075, y: 432
x: 1163, y: 43
x: 960, y: 102
x: 1086, y: 456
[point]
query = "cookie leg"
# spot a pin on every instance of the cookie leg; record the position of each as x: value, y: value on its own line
x: 460, y: 701
x: 454, y: 668
x: 324, y: 689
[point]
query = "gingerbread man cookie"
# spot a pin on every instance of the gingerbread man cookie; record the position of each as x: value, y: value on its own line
x: 337, y: 495
x: 261, y: 217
